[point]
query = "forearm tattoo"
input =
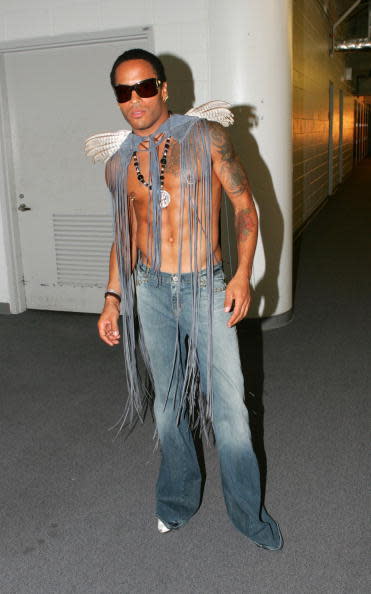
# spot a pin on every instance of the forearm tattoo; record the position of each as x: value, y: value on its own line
x: 233, y: 176
x: 245, y: 224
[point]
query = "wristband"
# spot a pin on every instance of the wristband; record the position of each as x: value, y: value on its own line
x: 113, y: 294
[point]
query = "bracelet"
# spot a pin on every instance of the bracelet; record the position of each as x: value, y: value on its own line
x: 113, y: 291
x: 113, y: 294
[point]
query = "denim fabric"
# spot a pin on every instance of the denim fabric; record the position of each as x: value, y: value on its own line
x: 164, y: 303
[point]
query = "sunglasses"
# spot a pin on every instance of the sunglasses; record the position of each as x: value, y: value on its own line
x: 143, y: 88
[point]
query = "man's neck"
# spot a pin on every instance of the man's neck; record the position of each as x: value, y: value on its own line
x: 150, y: 131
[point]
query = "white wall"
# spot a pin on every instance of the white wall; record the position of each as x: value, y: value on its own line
x: 227, y: 51
x: 250, y: 56
x: 180, y: 28
x: 4, y: 288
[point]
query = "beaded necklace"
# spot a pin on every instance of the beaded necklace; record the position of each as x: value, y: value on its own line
x: 164, y: 195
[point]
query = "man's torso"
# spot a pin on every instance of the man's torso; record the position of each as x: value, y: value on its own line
x: 176, y: 228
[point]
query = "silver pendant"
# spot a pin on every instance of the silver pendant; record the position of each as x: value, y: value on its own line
x: 164, y: 198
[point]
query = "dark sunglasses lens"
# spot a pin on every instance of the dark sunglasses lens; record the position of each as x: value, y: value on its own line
x: 147, y: 88
x: 123, y: 93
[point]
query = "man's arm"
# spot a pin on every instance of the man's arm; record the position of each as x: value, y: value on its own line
x: 233, y: 178
x: 108, y: 321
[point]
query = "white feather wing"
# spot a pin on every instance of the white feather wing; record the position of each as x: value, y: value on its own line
x: 214, y: 111
x: 100, y: 147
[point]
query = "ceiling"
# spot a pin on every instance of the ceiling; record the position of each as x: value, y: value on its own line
x: 335, y: 8
x: 355, y: 26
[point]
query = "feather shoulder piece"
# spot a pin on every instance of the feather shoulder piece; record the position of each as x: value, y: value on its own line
x: 214, y: 111
x: 100, y: 147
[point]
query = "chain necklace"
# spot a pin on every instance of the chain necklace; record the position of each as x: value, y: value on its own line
x: 164, y: 195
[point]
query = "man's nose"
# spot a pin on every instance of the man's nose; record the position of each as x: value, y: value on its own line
x: 135, y: 98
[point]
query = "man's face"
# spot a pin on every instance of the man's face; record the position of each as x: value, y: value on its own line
x: 143, y: 114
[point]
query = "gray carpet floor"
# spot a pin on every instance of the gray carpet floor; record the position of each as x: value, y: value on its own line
x: 77, y: 506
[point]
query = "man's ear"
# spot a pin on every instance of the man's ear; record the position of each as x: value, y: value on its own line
x: 164, y: 93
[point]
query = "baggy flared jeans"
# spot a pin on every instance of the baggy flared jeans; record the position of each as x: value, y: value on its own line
x: 164, y: 303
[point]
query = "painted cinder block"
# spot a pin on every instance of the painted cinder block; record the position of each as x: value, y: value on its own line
x: 116, y: 13
x: 26, y: 22
x: 313, y: 68
x: 168, y: 11
x: 76, y: 16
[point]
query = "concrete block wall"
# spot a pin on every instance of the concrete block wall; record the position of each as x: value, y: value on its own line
x: 313, y: 69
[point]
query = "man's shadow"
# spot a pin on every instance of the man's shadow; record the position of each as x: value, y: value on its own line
x: 180, y: 83
x: 265, y: 293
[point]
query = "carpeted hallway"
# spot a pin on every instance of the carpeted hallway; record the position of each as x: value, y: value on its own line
x: 77, y: 507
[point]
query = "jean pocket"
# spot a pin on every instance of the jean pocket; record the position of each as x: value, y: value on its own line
x: 141, y: 279
x: 220, y: 289
x: 219, y: 282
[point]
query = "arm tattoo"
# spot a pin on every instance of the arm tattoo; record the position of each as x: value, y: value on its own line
x: 233, y: 176
x: 245, y: 224
x: 221, y: 142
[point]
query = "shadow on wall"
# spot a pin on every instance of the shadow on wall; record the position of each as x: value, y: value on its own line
x: 180, y: 83
x: 181, y: 99
x: 266, y: 294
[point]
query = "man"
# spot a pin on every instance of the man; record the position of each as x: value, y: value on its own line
x: 166, y: 182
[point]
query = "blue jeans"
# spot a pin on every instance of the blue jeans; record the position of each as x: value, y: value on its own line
x: 179, y: 483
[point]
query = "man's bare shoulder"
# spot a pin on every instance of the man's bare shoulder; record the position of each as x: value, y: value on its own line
x: 221, y: 145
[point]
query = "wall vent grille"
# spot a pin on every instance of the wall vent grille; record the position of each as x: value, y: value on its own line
x: 82, y: 246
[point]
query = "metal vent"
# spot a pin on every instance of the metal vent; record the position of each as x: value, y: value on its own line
x: 82, y: 246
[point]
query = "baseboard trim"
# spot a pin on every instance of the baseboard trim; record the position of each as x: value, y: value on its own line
x: 4, y: 308
x: 278, y: 321
x: 299, y: 232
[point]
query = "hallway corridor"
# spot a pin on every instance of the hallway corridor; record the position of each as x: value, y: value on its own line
x: 77, y: 507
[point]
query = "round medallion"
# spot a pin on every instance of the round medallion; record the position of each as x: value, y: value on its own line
x: 164, y: 198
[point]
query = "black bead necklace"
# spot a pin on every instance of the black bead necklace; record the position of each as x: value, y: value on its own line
x: 164, y: 195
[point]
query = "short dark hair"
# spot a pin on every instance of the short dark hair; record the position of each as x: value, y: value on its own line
x: 139, y: 54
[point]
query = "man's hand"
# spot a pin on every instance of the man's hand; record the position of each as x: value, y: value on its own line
x: 237, y: 291
x: 108, y: 323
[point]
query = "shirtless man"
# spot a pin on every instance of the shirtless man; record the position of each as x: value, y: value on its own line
x: 164, y: 304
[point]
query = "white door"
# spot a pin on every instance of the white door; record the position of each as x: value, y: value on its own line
x: 57, y: 98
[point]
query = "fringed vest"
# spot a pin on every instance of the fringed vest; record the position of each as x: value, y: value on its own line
x: 196, y: 196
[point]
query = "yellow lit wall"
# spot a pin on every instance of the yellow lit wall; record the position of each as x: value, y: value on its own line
x: 313, y: 69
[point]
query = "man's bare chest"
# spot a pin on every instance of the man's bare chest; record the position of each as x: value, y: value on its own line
x: 139, y: 179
